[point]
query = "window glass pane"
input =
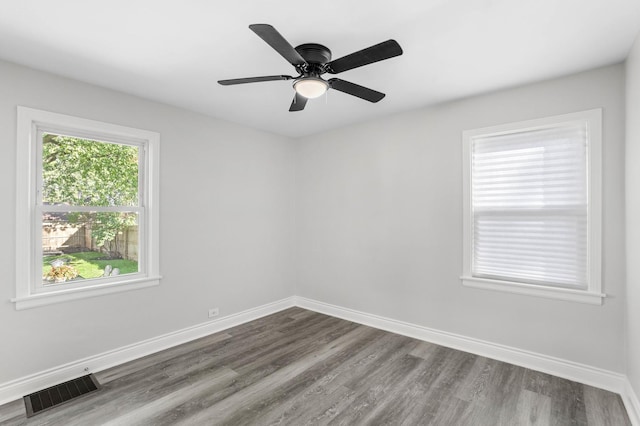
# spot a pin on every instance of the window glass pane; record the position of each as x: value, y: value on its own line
x: 79, y: 245
x: 85, y: 172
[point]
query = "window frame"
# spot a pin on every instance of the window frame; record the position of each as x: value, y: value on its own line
x: 30, y: 125
x: 592, y: 294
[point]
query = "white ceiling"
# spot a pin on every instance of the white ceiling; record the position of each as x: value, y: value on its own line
x: 175, y: 51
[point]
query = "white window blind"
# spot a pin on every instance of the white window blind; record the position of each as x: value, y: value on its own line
x: 529, y: 202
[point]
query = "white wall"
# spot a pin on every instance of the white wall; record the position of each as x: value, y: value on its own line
x: 379, y: 222
x: 226, y: 236
x: 633, y: 215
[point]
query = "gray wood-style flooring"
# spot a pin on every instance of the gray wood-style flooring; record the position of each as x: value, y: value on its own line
x: 298, y: 367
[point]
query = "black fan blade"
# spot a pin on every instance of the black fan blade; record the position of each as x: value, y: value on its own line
x: 298, y: 103
x: 379, y: 52
x: 356, y: 90
x: 277, y: 42
x: 254, y: 79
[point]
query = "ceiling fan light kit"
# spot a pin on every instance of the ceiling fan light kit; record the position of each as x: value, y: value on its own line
x: 311, y: 87
x: 312, y: 60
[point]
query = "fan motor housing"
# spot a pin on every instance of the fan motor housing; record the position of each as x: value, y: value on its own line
x: 314, y: 53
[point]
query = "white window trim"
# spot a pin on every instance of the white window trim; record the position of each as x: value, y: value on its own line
x: 593, y: 293
x: 29, y: 121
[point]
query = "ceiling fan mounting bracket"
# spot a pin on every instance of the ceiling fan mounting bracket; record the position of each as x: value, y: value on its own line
x: 314, y: 53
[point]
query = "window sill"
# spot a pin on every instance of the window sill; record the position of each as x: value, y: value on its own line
x: 580, y: 296
x: 42, y: 299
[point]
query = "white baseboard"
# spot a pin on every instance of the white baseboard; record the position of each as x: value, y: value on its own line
x: 581, y: 373
x: 632, y: 404
x: 10, y: 391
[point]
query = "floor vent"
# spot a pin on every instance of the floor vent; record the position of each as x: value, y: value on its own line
x: 40, y: 401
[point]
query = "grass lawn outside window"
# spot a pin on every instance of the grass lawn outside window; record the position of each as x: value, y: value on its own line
x: 90, y: 264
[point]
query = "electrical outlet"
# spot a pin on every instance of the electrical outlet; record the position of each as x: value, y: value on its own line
x: 214, y: 312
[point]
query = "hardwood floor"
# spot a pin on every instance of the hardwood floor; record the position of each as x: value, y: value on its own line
x: 298, y: 367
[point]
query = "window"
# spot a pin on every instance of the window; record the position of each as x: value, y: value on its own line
x: 532, y: 207
x: 87, y: 215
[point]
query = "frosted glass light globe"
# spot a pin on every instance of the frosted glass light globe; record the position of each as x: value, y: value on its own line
x: 310, y: 87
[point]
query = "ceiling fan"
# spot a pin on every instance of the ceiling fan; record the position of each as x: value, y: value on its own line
x: 312, y: 60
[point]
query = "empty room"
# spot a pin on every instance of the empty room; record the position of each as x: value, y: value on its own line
x: 339, y: 213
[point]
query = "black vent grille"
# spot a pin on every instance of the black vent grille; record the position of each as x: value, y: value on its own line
x: 40, y: 401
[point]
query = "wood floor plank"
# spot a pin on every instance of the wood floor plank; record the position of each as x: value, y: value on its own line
x: 424, y: 350
x: 312, y: 405
x: 294, y: 345
x: 372, y: 405
x: 449, y: 412
x: 474, y: 388
x: 435, y: 385
x: 506, y: 387
x: 141, y: 413
x: 330, y: 376
x: 237, y: 408
x: 298, y: 367
x: 12, y: 413
x: 567, y: 402
x: 604, y: 408
x: 533, y: 409
x: 289, y: 393
x: 319, y: 380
